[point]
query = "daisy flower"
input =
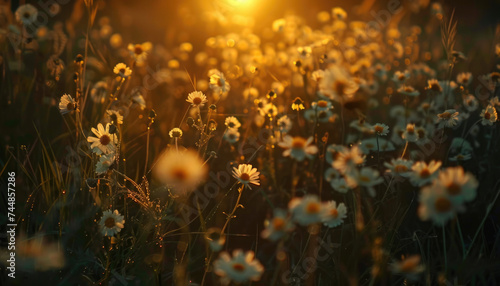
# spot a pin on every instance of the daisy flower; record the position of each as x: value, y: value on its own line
x: 332, y: 152
x: 464, y: 78
x: 399, y: 167
x: 232, y: 123
x: 306, y: 210
x: 322, y: 105
x: 284, y: 124
x: 460, y: 186
x: 104, y: 142
x: 140, y: 51
x: 99, y: 92
x: 408, y: 90
x: 26, y: 14
x: 246, y: 175
x: 409, y: 267
x: 380, y: 129
x: 122, y: 70
x: 339, y: 14
x: 240, y: 268
x: 423, y: 173
x: 115, y: 116
x: 348, y: 159
x: 400, y: 77
x: 409, y: 134
x: 449, y: 118
x: 340, y: 185
x: 105, y: 161
x: 175, y: 133
x: 182, y: 171
x: 278, y: 226
x: 111, y: 223
x: 232, y: 135
x: 217, y: 81
x: 333, y: 215
x: 461, y: 157
x: 433, y: 84
x: 298, y: 148
x: 470, y: 103
x: 197, y: 99
x: 436, y: 205
x: 139, y: 100
x: 366, y: 177
x: 215, y: 239
x: 489, y: 115
x: 67, y: 104
x: 336, y: 84
x: 298, y: 104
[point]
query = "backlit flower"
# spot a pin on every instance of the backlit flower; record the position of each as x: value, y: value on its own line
x: 298, y: 148
x: 449, y: 118
x: 409, y: 267
x: 306, y: 210
x: 105, y: 161
x: 436, y: 205
x: 111, y: 223
x: 26, y: 14
x: 175, y: 133
x: 140, y: 51
x: 489, y: 115
x: 333, y: 214
x: 240, y: 268
x: 348, y: 159
x: 246, y: 175
x: 217, y: 81
x: 399, y: 167
x: 197, y: 99
x: 67, y: 104
x: 232, y: 123
x: 182, y: 171
x: 104, y: 142
x: 122, y: 70
x: 380, y: 129
x: 423, y: 173
x: 278, y: 226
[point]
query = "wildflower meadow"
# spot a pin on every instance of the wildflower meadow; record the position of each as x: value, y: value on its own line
x: 249, y: 142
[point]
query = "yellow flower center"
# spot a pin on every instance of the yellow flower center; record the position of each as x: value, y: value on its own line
x: 197, y: 100
x: 409, y: 264
x: 70, y: 106
x: 322, y: 103
x: 298, y: 143
x: 364, y: 179
x: 180, y: 174
x: 138, y: 50
x: 425, y: 173
x: 109, y: 222
x: 105, y: 140
x: 334, y: 213
x: 245, y: 177
x: 487, y: 115
x: 278, y: 223
x: 339, y: 87
x: 454, y: 189
x: 442, y: 205
x: 238, y: 267
x: 400, y: 168
x: 445, y: 115
x: 379, y: 129
x: 312, y: 208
